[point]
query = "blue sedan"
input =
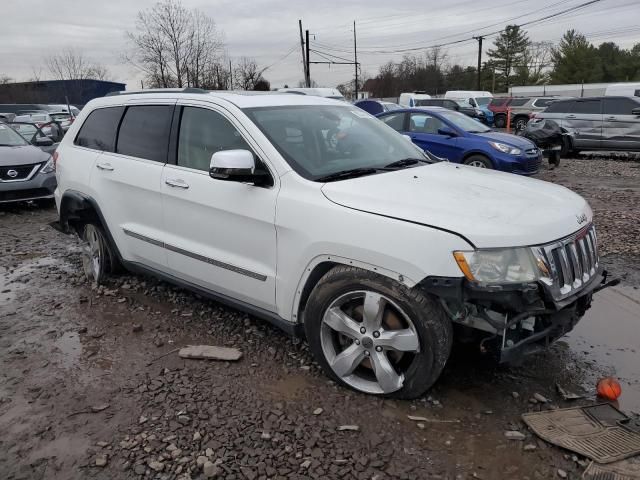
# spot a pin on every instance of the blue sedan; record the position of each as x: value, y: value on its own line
x: 461, y: 139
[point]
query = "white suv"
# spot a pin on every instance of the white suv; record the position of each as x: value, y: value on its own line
x: 316, y: 216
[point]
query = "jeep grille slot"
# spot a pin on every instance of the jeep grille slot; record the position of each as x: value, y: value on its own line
x: 572, y: 262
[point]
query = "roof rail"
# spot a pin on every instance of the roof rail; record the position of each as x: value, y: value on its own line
x: 157, y: 90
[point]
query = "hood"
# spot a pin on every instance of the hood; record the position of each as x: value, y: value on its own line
x: 22, y: 155
x: 513, y: 140
x: 490, y: 209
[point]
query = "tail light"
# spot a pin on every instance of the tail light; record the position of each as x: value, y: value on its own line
x: 55, y: 159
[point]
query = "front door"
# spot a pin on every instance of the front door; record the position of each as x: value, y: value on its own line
x: 423, y: 130
x: 126, y: 182
x: 220, y: 234
x: 585, y: 121
x: 620, y: 128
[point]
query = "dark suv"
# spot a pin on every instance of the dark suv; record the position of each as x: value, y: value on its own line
x: 597, y: 123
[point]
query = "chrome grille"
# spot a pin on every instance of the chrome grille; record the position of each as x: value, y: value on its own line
x: 19, y: 173
x: 571, y: 262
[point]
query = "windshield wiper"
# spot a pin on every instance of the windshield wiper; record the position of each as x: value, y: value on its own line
x: 405, y: 162
x: 351, y: 173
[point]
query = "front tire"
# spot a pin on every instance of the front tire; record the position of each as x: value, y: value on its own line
x: 376, y: 336
x: 479, y: 161
x: 96, y: 255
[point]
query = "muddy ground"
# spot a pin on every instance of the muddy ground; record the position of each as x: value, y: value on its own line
x: 91, y: 386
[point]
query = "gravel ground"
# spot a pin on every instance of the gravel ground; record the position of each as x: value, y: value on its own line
x: 91, y: 386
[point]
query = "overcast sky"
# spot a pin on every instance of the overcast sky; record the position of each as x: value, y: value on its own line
x: 268, y: 30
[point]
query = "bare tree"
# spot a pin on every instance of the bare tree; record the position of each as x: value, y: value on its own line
x: 246, y: 74
x: 71, y: 64
x: 176, y: 47
x: 4, y: 79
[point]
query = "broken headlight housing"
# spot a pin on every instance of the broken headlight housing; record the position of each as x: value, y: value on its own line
x: 501, y: 266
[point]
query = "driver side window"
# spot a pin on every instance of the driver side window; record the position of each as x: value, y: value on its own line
x: 202, y: 133
x: 423, y: 123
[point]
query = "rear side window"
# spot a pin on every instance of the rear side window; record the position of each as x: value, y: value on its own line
x: 518, y: 102
x: 99, y: 129
x: 587, y: 107
x: 144, y: 132
x: 560, y: 107
x: 543, y: 102
x: 619, y: 106
x: 395, y: 121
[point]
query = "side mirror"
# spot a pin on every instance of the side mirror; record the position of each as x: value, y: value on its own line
x: 43, y: 142
x: 447, y: 132
x: 636, y: 111
x: 237, y: 166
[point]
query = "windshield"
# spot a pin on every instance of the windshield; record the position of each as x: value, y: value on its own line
x: 320, y: 140
x: 465, y: 123
x: 483, y: 101
x: 425, y: 103
x: 9, y: 138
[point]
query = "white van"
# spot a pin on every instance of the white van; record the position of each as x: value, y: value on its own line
x: 628, y: 89
x: 476, y: 98
x: 315, y: 92
x: 411, y: 99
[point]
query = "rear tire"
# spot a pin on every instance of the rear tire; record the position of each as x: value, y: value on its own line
x: 479, y: 161
x: 374, y: 335
x: 520, y: 123
x: 97, y: 258
x: 500, y: 121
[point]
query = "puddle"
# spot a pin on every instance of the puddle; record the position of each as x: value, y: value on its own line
x: 609, y: 337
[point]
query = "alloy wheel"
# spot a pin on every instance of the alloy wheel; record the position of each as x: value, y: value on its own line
x: 477, y: 163
x: 368, y: 341
x: 92, y: 253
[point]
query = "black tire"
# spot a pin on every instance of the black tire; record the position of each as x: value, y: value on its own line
x: 479, y: 161
x: 567, y: 148
x: 519, y: 123
x: 433, y: 328
x: 98, y: 260
x: 500, y: 121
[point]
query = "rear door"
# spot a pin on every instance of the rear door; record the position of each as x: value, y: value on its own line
x: 620, y: 128
x: 219, y: 234
x: 423, y: 130
x: 126, y: 182
x: 585, y: 121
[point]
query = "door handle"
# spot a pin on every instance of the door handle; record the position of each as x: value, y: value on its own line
x: 176, y: 183
x: 611, y: 118
x: 105, y: 166
x: 571, y: 116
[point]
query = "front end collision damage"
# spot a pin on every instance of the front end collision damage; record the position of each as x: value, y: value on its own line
x: 513, y: 320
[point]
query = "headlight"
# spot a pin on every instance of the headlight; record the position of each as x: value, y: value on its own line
x: 48, y: 167
x: 500, y: 266
x: 504, y: 148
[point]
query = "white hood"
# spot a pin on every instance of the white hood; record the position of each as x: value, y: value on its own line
x: 489, y: 208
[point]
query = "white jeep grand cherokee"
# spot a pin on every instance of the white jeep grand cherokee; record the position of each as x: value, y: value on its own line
x: 316, y: 216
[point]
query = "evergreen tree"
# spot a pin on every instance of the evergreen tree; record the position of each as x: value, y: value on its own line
x: 575, y: 60
x: 510, y: 48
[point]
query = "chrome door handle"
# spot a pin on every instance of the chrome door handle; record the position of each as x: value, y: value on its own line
x: 611, y: 118
x: 177, y: 183
x: 571, y: 116
x: 105, y: 166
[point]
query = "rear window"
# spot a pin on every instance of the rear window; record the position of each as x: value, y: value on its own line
x: 560, y: 107
x: 518, y: 102
x: 543, y: 102
x: 99, y: 129
x: 619, y: 106
x: 427, y: 102
x: 144, y: 132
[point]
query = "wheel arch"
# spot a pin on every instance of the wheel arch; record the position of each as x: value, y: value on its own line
x: 480, y: 153
x: 322, y: 264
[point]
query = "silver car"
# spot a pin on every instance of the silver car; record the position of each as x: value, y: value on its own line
x: 597, y: 123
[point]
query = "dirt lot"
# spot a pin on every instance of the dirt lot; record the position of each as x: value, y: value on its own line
x: 91, y: 386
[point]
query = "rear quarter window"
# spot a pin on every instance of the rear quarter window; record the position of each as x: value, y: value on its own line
x: 99, y: 129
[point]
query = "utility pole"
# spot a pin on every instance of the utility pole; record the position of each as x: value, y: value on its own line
x: 304, y: 59
x: 355, y: 59
x: 230, y: 76
x: 308, y: 79
x: 479, y: 38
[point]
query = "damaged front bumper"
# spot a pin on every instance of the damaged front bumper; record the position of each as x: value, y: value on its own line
x: 516, y: 319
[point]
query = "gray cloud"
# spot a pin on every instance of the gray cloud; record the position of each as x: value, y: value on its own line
x: 267, y: 30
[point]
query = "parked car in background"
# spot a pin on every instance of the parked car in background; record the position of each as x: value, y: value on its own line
x: 375, y: 107
x: 7, y: 117
x: 26, y: 172
x: 45, y: 122
x: 333, y: 93
x: 523, y: 109
x: 61, y: 107
x: 34, y: 135
x: 461, y: 139
x: 365, y: 244
x: 597, y: 123
x: 410, y: 99
x: 461, y: 106
x: 499, y: 105
x: 18, y: 107
x: 628, y: 89
x: 476, y: 98
x: 63, y: 119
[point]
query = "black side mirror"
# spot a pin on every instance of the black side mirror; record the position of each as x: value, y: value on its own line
x: 43, y: 142
x: 447, y: 132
